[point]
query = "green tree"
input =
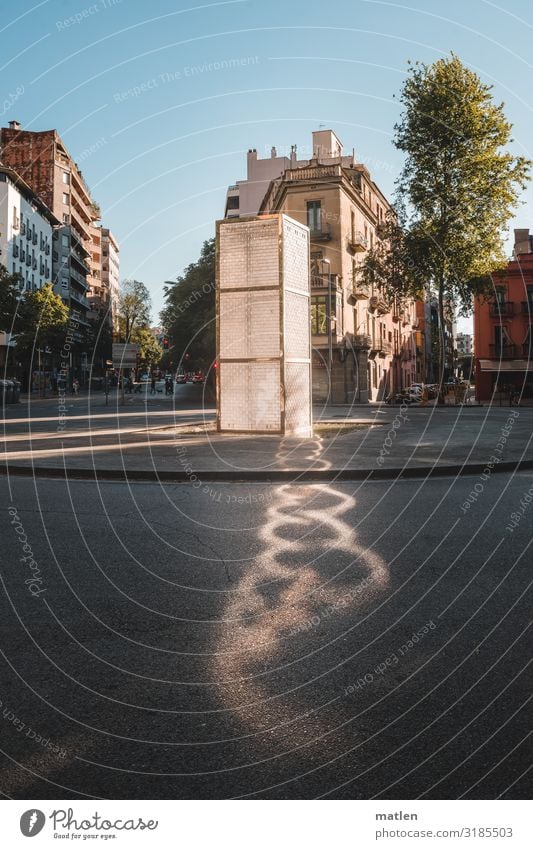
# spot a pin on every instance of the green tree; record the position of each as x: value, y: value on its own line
x: 189, y: 314
x: 459, y: 183
x: 150, y: 351
x: 134, y: 307
x: 41, y: 320
x: 9, y: 299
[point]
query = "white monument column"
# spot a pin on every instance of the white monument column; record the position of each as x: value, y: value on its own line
x: 263, y: 326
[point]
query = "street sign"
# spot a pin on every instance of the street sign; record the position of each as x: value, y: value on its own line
x: 125, y: 355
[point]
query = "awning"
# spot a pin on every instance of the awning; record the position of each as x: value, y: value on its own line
x: 506, y: 365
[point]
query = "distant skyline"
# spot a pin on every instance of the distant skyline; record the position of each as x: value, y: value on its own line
x: 159, y: 104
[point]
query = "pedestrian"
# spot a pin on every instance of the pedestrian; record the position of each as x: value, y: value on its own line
x: 75, y: 385
x: 152, y: 385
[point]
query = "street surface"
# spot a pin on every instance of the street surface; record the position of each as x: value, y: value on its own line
x: 266, y: 641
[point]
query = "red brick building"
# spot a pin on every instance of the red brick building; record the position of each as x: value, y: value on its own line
x: 502, y: 329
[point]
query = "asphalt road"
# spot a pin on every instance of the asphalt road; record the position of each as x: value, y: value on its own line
x: 339, y: 641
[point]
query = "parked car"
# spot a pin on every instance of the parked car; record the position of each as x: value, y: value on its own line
x: 181, y: 378
x: 198, y: 378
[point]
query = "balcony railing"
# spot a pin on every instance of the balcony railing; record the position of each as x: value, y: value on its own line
x: 357, y: 242
x: 359, y: 292
x: 378, y: 304
x: 503, y: 352
x: 501, y: 308
x: 317, y: 172
x: 386, y: 347
x: 322, y: 281
x: 361, y: 340
x: 322, y: 235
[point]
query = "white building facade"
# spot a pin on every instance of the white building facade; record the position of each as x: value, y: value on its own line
x: 26, y: 227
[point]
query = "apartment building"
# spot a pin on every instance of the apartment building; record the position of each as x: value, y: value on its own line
x: 502, y: 328
x: 110, y: 274
x: 26, y: 228
x: 44, y: 162
x: 463, y: 343
x: 363, y: 346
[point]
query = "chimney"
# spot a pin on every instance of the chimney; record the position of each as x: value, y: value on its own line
x: 522, y: 243
x: 273, y: 152
x: 14, y: 125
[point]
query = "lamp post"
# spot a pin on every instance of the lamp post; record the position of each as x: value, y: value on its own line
x: 326, y: 262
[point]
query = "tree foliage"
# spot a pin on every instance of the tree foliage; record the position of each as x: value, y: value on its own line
x: 9, y: 298
x: 150, y: 351
x: 189, y: 315
x: 459, y: 182
x: 134, y: 307
x: 41, y: 320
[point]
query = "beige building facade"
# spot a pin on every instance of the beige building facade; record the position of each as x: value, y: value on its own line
x: 364, y: 347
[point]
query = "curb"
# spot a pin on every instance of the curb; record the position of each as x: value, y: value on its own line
x: 275, y: 476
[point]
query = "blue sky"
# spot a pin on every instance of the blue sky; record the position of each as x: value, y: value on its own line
x: 159, y: 135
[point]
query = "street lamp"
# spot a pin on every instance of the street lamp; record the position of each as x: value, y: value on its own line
x: 330, y: 334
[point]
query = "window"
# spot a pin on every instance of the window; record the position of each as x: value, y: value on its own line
x: 314, y: 216
x: 66, y: 218
x: 233, y: 202
x: 66, y: 178
x: 530, y: 296
x: 319, y: 317
x: 66, y: 197
x: 65, y: 242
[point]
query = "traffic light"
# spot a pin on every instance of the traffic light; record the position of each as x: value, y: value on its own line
x: 165, y: 343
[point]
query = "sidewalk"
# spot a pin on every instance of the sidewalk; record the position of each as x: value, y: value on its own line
x: 369, y: 442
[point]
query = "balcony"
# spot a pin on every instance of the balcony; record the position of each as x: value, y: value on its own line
x: 386, y: 348
x: 34, y: 237
x: 499, y: 309
x: 22, y: 255
x: 361, y: 340
x: 323, y: 281
x: 15, y: 251
x: 503, y: 352
x: 357, y: 242
x: 322, y: 235
x: 313, y: 172
x: 360, y: 292
x: 17, y: 224
x: 527, y: 309
x: 379, y: 305
x: 34, y: 264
